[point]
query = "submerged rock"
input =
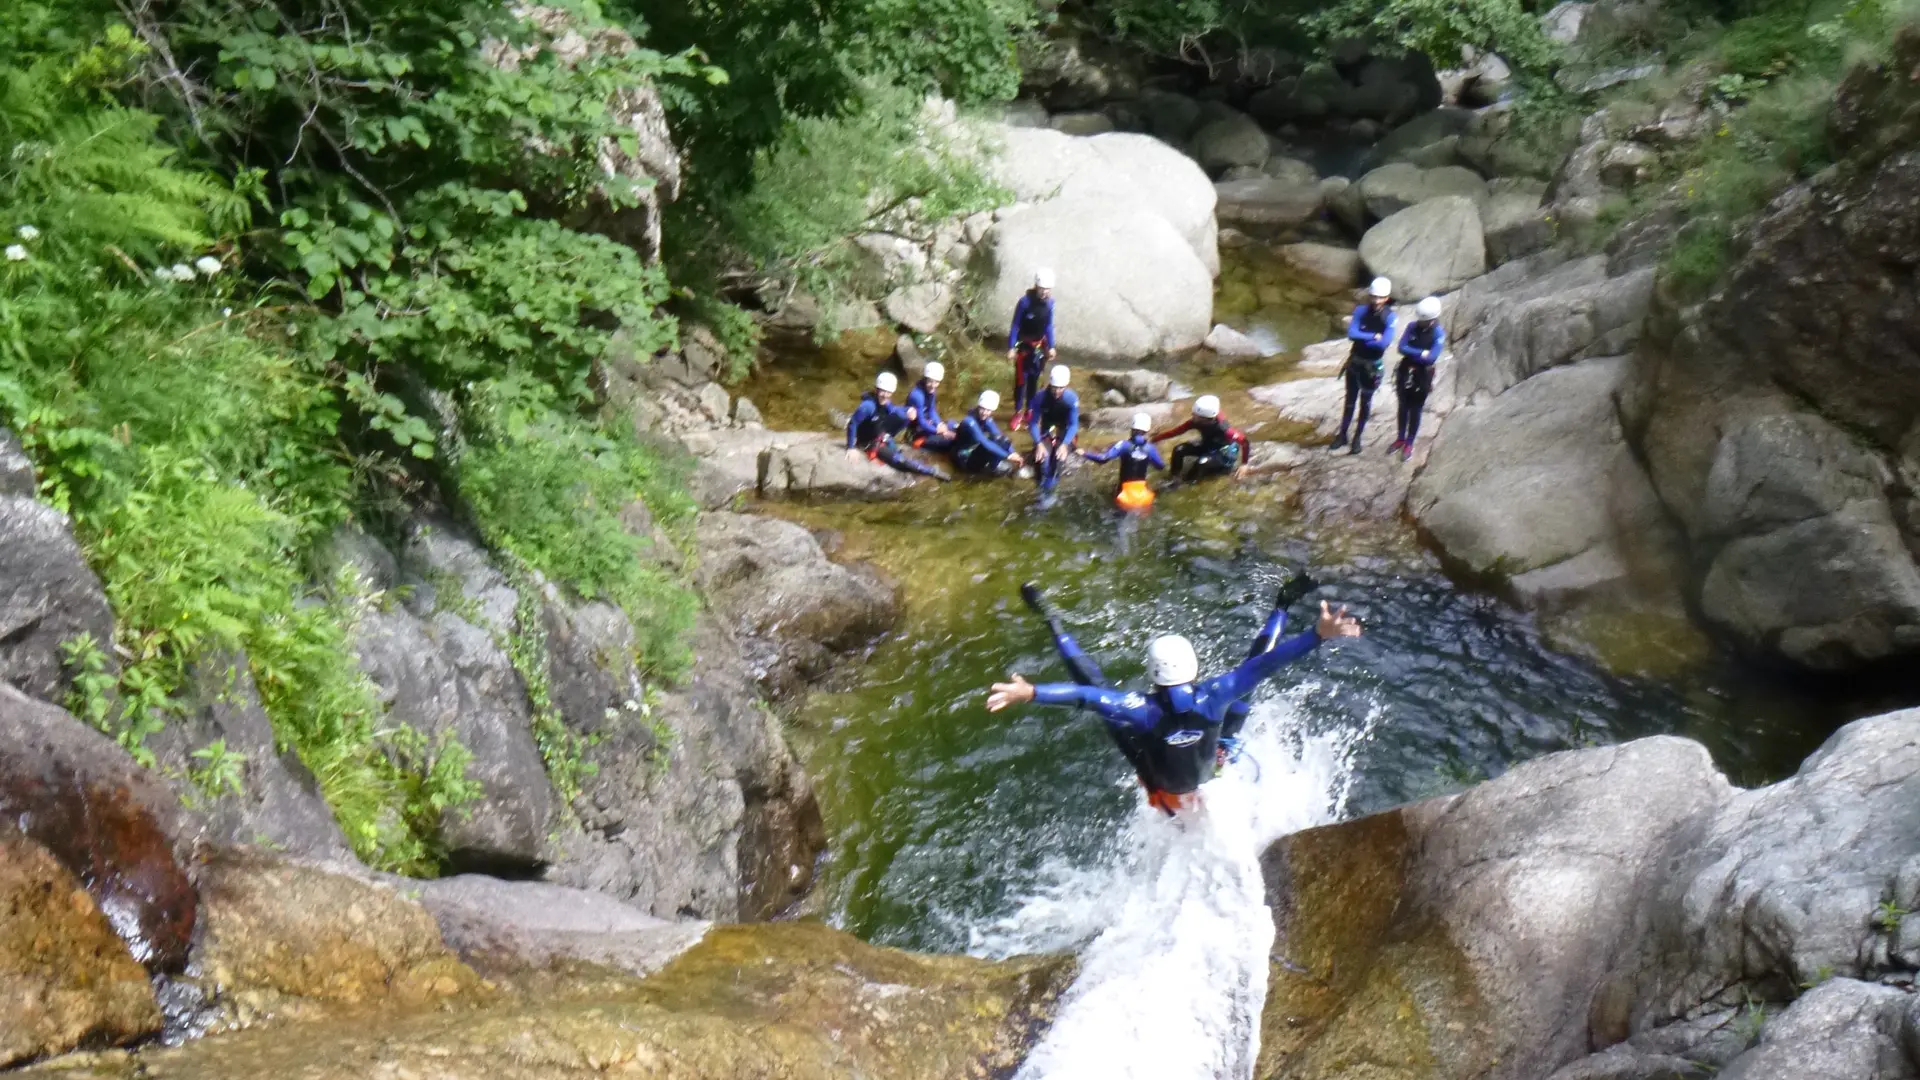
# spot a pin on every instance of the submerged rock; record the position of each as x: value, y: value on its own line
x: 109, y: 822
x: 789, y: 1000
x: 65, y: 979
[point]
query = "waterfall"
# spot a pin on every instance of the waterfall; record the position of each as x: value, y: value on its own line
x: 1173, y: 929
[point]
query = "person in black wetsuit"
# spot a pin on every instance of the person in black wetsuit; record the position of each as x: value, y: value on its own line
x: 1055, y: 427
x: 874, y: 423
x: 1171, y: 735
x: 1420, y: 349
x: 1371, y: 331
x: 1138, y: 458
x: 930, y: 432
x: 1295, y: 587
x: 979, y: 447
x: 1221, y: 447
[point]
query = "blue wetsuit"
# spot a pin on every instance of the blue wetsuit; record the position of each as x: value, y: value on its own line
x: 1170, y: 733
x: 872, y: 427
x: 1420, y: 349
x: 1371, y: 331
x: 978, y: 445
x: 1031, y: 340
x: 1137, y: 456
x: 924, y: 400
x: 1056, y: 423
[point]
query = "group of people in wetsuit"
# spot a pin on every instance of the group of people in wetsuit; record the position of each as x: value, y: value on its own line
x: 1371, y: 330
x: 1050, y: 415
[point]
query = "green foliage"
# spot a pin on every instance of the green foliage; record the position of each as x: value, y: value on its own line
x: 217, y: 771
x: 1439, y: 28
x: 549, y: 488
x: 561, y: 748
x: 825, y: 182
x: 1888, y: 916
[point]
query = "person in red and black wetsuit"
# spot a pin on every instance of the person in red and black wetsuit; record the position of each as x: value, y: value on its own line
x: 1221, y: 448
x: 1030, y: 343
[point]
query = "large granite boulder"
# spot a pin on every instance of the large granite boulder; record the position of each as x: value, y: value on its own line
x: 48, y: 594
x: 793, y: 611
x: 1268, y: 201
x: 1390, y: 189
x: 65, y: 977
x: 1233, y: 139
x: 504, y: 928
x: 817, y: 465
x: 1433, y: 247
x: 1611, y: 913
x: 1129, y: 285
x: 112, y: 824
x: 1537, y: 488
x: 1041, y: 165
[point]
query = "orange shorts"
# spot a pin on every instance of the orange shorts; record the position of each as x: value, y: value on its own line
x: 1169, y: 803
x: 1134, y: 497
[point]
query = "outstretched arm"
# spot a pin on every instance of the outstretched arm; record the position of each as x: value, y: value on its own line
x: 1101, y: 457
x: 1120, y: 708
x: 1241, y: 680
x: 1181, y: 428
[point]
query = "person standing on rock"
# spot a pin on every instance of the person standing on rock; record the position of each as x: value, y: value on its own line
x: 1221, y: 447
x: 1420, y: 349
x: 979, y: 447
x: 1170, y: 735
x: 874, y: 423
x: 1371, y: 331
x: 930, y: 432
x: 1030, y: 343
x: 1138, y: 457
x: 1055, y: 427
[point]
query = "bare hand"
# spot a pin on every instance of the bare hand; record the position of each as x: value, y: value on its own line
x: 1240, y: 473
x: 946, y: 432
x: 1017, y: 692
x: 1336, y: 624
x: 854, y: 455
x: 1017, y: 460
x: 1013, y: 355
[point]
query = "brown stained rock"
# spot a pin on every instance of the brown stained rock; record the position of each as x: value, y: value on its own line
x: 109, y: 822
x: 778, y: 1000
x: 65, y: 979
x: 281, y: 936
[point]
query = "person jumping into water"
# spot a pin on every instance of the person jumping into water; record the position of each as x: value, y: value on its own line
x: 1138, y: 456
x: 1030, y: 343
x: 1171, y: 734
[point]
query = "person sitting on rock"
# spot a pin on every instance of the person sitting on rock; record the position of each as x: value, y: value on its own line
x: 978, y: 446
x: 1030, y: 342
x: 1055, y: 426
x: 1138, y: 457
x: 1171, y: 734
x: 1420, y: 349
x: 1220, y: 449
x: 1371, y: 331
x: 930, y: 432
x: 874, y: 423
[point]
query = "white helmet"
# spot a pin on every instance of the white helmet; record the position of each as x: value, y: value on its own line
x: 1206, y: 406
x: 1043, y: 278
x: 1060, y: 375
x: 989, y: 399
x: 1171, y: 662
x: 1381, y: 287
x: 935, y: 372
x: 886, y: 381
x: 1142, y: 422
x: 1427, y: 310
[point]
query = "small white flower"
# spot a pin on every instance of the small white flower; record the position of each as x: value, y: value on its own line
x: 182, y: 272
x: 163, y: 273
x: 16, y: 253
x: 207, y: 265
x: 28, y: 233
x: 226, y: 313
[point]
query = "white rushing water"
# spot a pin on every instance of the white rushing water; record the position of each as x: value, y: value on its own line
x: 1174, y: 933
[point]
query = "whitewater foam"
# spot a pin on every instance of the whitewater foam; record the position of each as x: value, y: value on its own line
x: 1174, y: 925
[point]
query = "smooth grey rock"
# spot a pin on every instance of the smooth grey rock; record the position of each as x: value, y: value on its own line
x: 920, y: 308
x: 1561, y: 24
x: 1390, y: 189
x: 1224, y: 340
x: 1516, y: 226
x: 1170, y: 117
x: 1529, y: 316
x: 1024, y: 113
x: 746, y: 414
x: 792, y: 610
x: 1292, y: 170
x: 1434, y: 247
x: 48, y: 597
x: 503, y: 927
x: 1081, y: 123
x: 1840, y: 1030
x: 1231, y: 140
x: 818, y: 465
x: 1336, y: 267
x: 1136, y: 386
x: 1267, y: 201
x: 715, y: 403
